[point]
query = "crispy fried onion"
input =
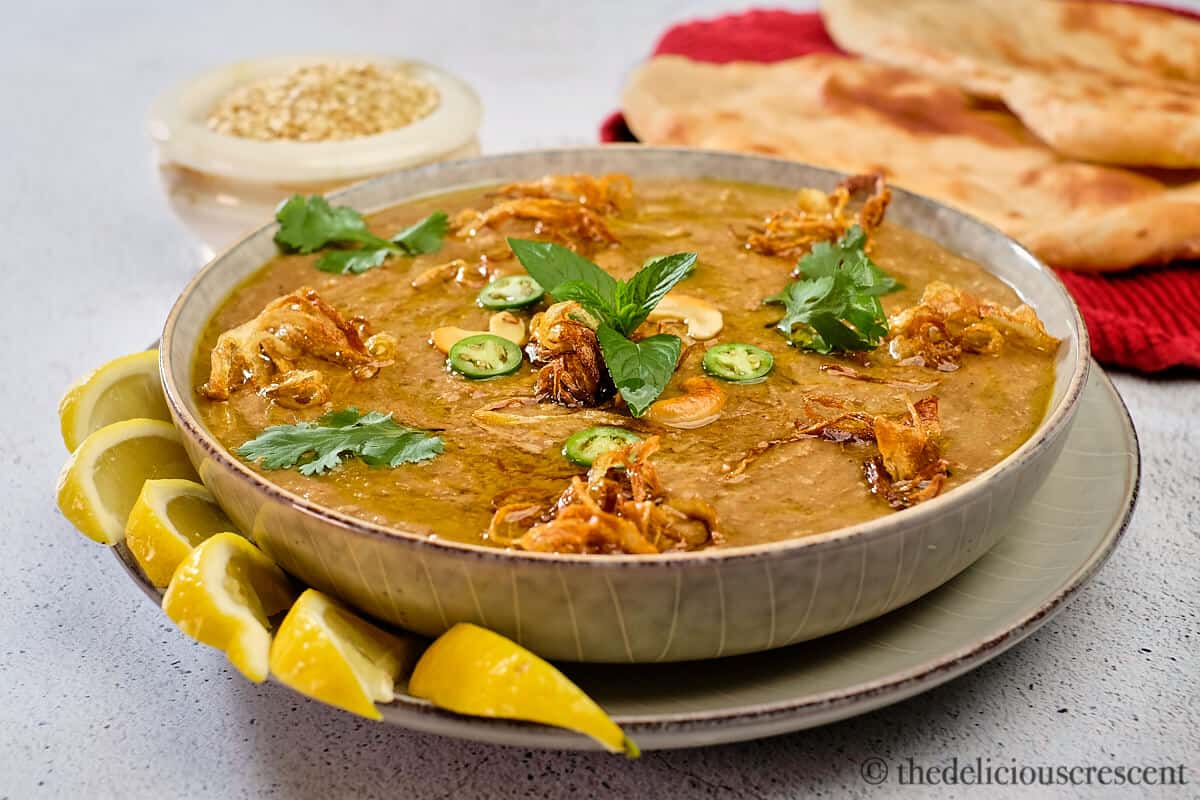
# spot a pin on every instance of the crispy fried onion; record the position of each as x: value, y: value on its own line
x: 537, y: 432
x: 563, y: 344
x: 949, y: 322
x: 819, y: 217
x: 908, y: 468
x: 565, y: 222
x: 843, y: 371
x: 569, y: 209
x: 487, y: 268
x: 619, y: 507
x: 606, y: 194
x: 263, y: 351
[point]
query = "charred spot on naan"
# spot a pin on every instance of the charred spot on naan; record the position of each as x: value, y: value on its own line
x: 920, y: 107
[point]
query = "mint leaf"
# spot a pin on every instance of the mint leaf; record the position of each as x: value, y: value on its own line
x: 552, y: 265
x: 374, y: 437
x: 622, y: 304
x: 352, y: 261
x: 583, y: 293
x: 306, y: 224
x: 424, y: 236
x: 639, y: 296
x: 639, y: 370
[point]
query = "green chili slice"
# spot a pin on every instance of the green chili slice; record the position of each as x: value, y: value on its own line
x: 585, y: 446
x: 738, y: 362
x: 511, y: 291
x: 484, y: 356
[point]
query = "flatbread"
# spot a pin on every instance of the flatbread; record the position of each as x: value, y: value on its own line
x: 1098, y: 81
x: 1099, y: 118
x: 857, y: 116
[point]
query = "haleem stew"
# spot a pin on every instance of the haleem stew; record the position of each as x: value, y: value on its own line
x: 592, y: 364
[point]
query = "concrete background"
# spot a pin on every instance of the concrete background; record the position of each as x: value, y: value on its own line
x: 101, y: 697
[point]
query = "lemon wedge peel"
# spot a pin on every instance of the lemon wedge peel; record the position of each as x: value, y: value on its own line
x: 170, y: 518
x: 125, y: 388
x: 327, y: 652
x: 471, y: 670
x: 223, y: 595
x: 100, y: 482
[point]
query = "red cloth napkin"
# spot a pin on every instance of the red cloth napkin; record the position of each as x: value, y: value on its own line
x: 1147, y: 319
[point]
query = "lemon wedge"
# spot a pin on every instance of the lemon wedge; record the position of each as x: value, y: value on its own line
x: 103, y: 477
x: 124, y: 388
x: 325, y: 651
x: 171, y: 516
x: 223, y: 594
x: 474, y: 671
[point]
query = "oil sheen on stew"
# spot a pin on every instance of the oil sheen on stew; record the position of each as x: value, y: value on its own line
x: 987, y: 402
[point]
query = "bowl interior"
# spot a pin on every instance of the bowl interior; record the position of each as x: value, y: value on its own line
x: 1033, y: 281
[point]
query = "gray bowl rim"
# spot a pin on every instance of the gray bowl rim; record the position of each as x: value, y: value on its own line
x: 1052, y: 425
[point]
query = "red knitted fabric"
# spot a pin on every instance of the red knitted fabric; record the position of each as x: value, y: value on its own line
x: 1147, y: 319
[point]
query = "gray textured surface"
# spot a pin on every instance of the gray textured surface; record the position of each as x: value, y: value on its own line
x: 100, y: 696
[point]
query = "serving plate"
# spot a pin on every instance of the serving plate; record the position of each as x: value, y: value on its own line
x: 677, y: 606
x: 1046, y: 553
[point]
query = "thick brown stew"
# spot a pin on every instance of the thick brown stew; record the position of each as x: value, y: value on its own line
x: 822, y: 442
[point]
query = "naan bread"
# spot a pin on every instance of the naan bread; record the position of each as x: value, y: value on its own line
x: 1097, y: 81
x: 857, y: 116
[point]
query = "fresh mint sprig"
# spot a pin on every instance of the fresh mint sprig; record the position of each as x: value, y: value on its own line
x: 640, y: 370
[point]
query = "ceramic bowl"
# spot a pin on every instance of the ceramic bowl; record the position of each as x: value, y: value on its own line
x: 672, y: 607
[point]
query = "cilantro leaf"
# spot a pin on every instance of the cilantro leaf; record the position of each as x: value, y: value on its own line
x: 306, y: 224
x: 830, y: 313
x: 424, y: 236
x: 552, y: 265
x: 640, y: 370
x: 835, y: 305
x: 848, y: 253
x: 640, y: 294
x: 342, y: 262
x: 374, y: 437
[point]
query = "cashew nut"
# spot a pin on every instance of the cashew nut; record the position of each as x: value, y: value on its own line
x: 502, y: 323
x: 702, y: 401
x: 703, y: 319
x: 508, y: 325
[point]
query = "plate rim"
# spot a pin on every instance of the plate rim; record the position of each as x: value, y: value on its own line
x: 752, y: 721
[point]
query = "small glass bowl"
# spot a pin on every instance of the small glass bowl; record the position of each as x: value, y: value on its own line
x: 222, y: 186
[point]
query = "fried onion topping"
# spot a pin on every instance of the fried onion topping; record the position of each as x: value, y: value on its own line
x: 620, y: 506
x: 819, y: 217
x: 568, y: 209
x: 908, y: 467
x: 563, y: 344
x: 949, y: 322
x: 263, y: 352
x: 606, y: 194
